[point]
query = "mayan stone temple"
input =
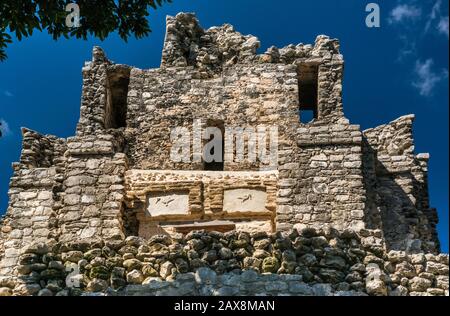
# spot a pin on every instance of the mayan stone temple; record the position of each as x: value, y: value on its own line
x: 109, y: 211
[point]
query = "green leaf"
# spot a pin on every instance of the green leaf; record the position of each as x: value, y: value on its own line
x: 98, y: 18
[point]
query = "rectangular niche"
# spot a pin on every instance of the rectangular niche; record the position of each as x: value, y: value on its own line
x: 308, y: 81
x: 168, y: 203
x: 244, y: 200
x: 117, y: 81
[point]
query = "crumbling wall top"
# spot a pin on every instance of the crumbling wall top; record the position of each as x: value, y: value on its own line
x: 188, y: 44
x: 41, y: 150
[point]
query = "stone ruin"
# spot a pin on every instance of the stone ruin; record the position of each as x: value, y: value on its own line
x: 114, y: 191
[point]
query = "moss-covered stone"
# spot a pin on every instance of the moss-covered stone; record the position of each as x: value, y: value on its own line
x: 239, y: 243
x: 99, y: 272
x: 132, y: 264
x: 117, y: 283
x: 270, y: 264
x: 93, y: 253
x: 149, y: 271
x: 50, y: 274
x: 182, y: 265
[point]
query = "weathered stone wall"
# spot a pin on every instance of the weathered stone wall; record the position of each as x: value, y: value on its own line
x: 306, y: 262
x: 94, y: 98
x: 216, y: 74
x: 206, y: 282
x: 325, y: 55
x: 93, y: 188
x: 79, y: 196
x: 96, y: 188
x: 95, y: 111
x: 33, y: 212
x: 34, y: 196
x: 397, y: 187
x: 321, y: 177
x: 242, y: 96
x: 41, y: 151
x: 4, y: 231
x: 187, y: 44
x: 216, y: 49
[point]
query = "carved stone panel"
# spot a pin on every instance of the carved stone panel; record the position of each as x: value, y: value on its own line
x: 244, y: 200
x: 168, y: 203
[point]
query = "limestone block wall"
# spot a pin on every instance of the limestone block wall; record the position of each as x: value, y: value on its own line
x: 34, y: 196
x: 100, y: 80
x: 75, y: 192
x: 3, y: 235
x: 216, y: 75
x: 41, y: 150
x: 93, y: 189
x: 321, y: 179
x: 305, y: 262
x: 214, y: 50
x: 93, y: 100
x: 206, y: 282
x: 324, y: 55
x: 212, y: 74
x: 399, y: 193
x: 242, y: 96
x: 31, y: 213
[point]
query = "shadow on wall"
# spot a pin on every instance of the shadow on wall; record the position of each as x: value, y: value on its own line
x: 397, y: 203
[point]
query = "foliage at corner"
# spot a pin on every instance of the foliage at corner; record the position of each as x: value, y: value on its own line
x: 20, y: 18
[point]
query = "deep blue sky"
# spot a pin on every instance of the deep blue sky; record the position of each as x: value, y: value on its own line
x: 399, y: 68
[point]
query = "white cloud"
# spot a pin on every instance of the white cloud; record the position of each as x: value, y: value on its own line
x: 404, y: 12
x: 443, y: 25
x: 417, y: 20
x: 8, y: 93
x: 426, y: 78
x: 435, y: 12
x: 437, y: 19
x: 4, y: 128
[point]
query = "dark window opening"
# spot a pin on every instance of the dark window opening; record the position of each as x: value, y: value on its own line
x: 216, y: 165
x: 116, y: 97
x: 307, y: 92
